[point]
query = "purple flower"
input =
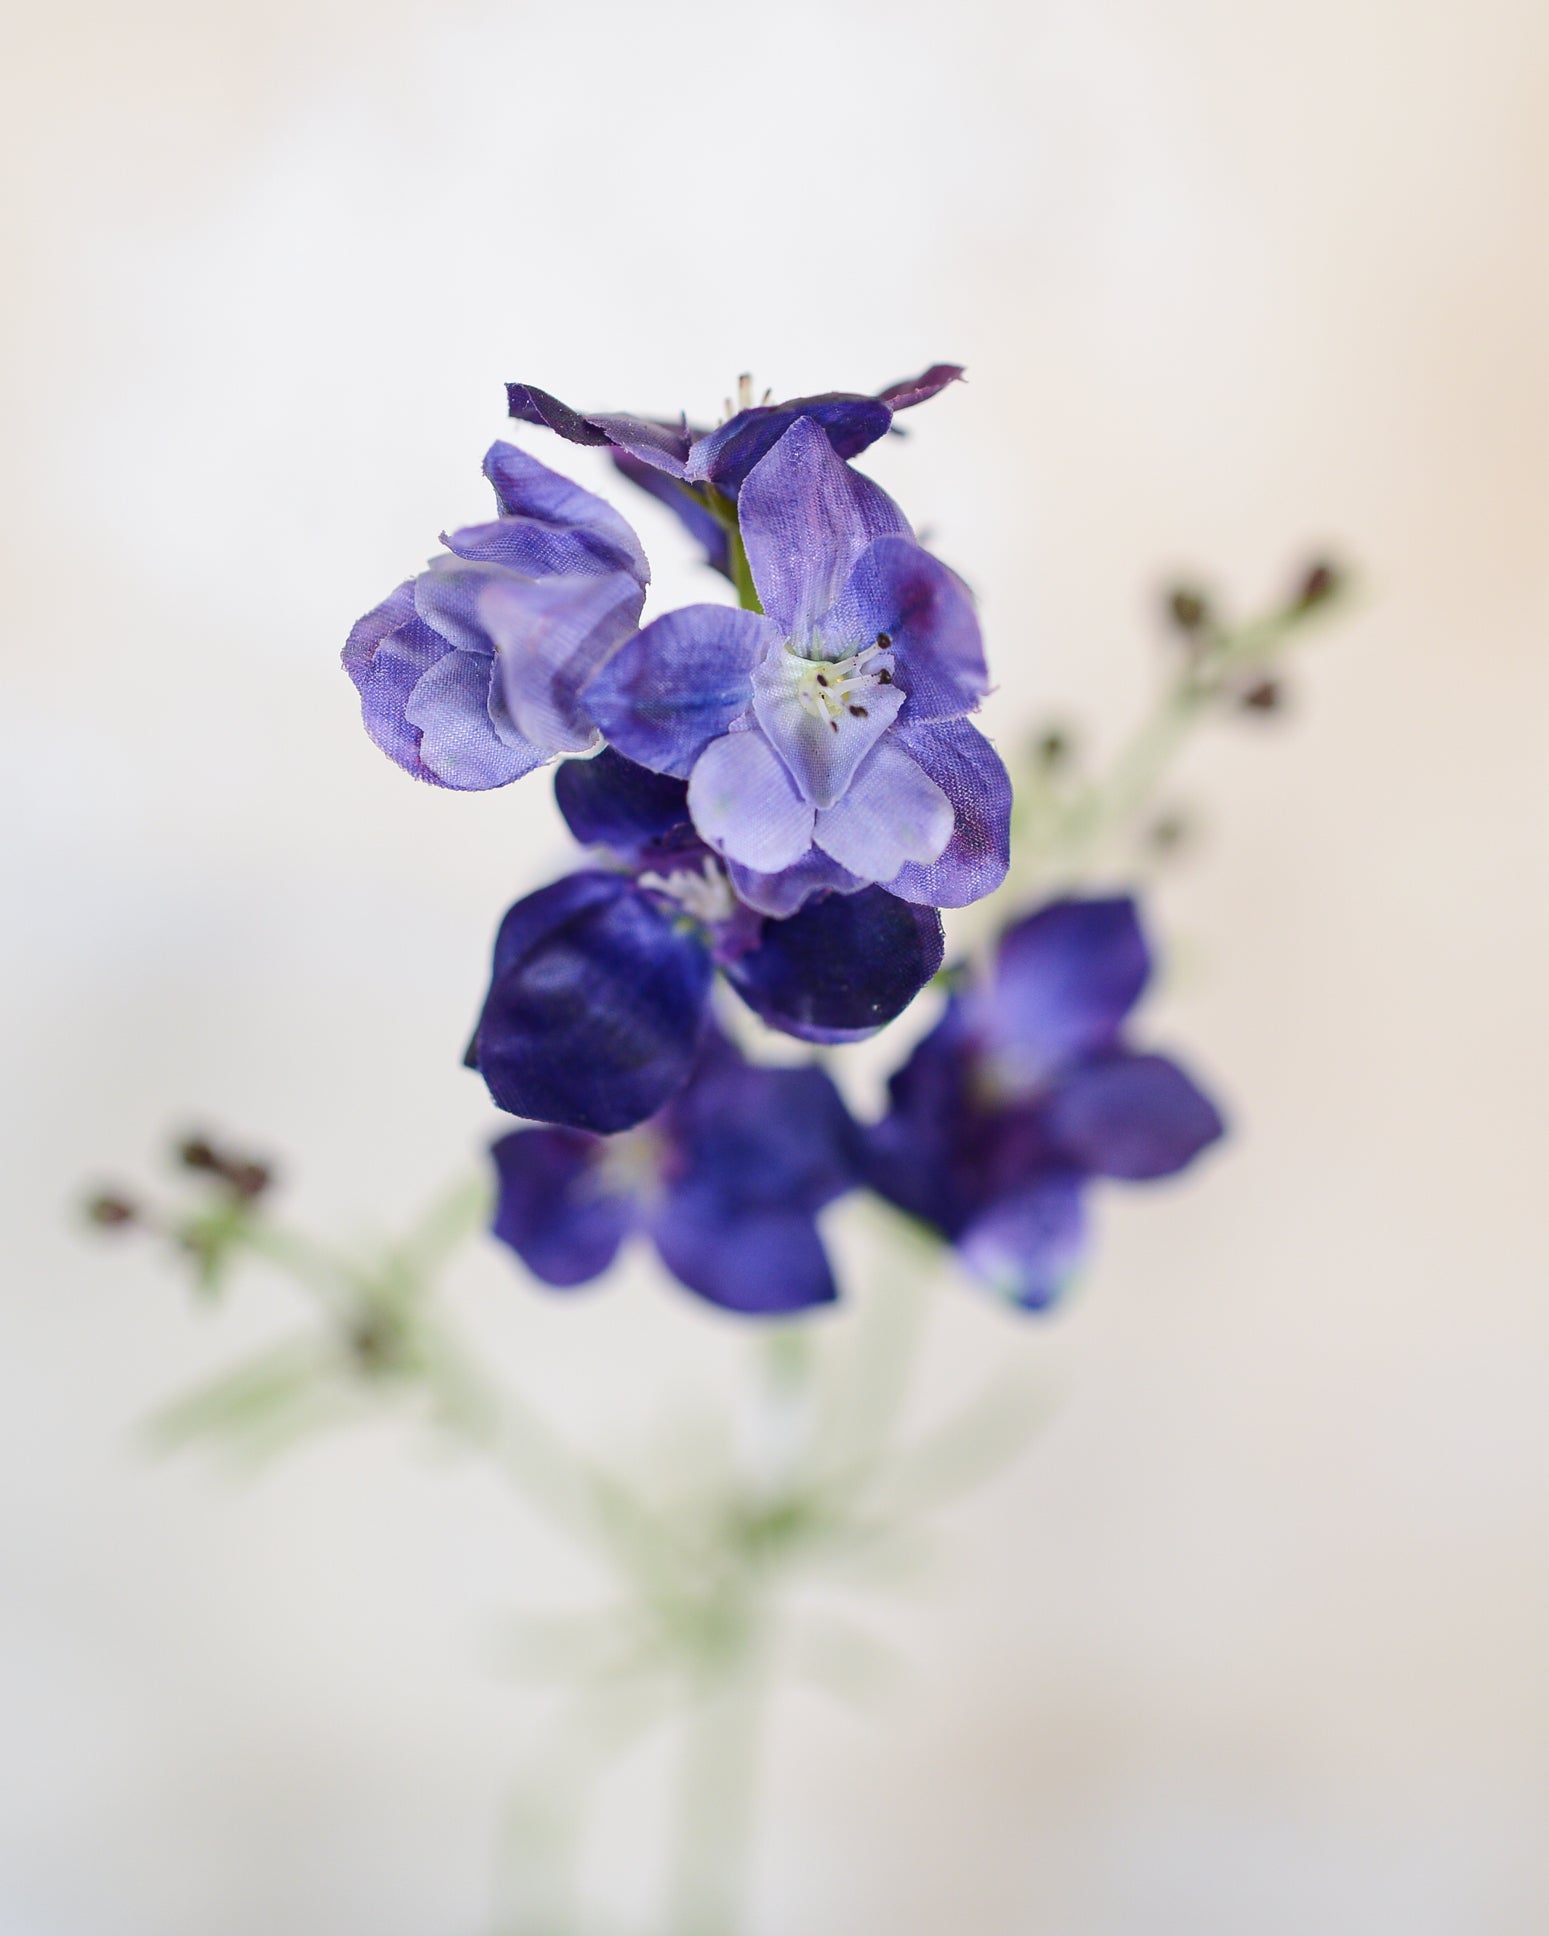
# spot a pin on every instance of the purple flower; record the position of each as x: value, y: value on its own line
x: 470, y: 675
x: 726, y: 1181
x: 824, y: 738
x: 599, y: 995
x: 681, y: 465
x: 1025, y: 1090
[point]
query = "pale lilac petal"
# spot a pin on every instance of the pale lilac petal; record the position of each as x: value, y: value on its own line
x: 782, y: 894
x: 893, y: 813
x: 746, y: 805
x: 449, y: 708
x: 805, y: 518
x: 551, y: 636
x: 821, y: 750
x: 971, y: 773
x: 679, y: 684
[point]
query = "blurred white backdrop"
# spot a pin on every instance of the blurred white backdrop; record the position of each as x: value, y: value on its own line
x: 1253, y: 1640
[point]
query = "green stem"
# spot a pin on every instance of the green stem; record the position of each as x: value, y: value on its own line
x: 717, y: 1786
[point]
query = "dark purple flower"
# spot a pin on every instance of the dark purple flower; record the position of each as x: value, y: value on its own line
x: 1026, y: 1089
x: 824, y: 738
x: 726, y: 1181
x: 600, y: 990
x: 469, y: 676
x: 680, y: 465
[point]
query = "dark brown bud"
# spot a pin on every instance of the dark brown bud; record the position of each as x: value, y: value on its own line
x: 247, y: 1179
x: 1320, y: 582
x: 111, y: 1212
x: 1053, y: 749
x: 1268, y: 696
x: 198, y: 1153
x: 1168, y: 832
x: 1188, y: 608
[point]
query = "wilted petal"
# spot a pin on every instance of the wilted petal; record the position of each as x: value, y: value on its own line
x: 552, y: 1207
x: 1063, y: 982
x: 663, y: 445
x: 1131, y: 1116
x: 551, y: 637
x: 610, y: 802
x: 805, y: 518
x: 1027, y: 1244
x: 920, y: 389
x: 893, y: 813
x: 449, y: 708
x: 900, y: 592
x: 841, y: 968
x: 745, y: 803
x: 595, y: 1006
x: 679, y: 684
x: 973, y: 776
x: 761, y: 1263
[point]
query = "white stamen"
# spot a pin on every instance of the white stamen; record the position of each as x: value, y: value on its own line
x: 829, y: 688
x: 704, y: 894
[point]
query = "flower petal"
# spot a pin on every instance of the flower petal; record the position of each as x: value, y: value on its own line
x: 764, y: 1264
x: 725, y: 456
x: 386, y: 655
x: 595, y: 1006
x: 745, y: 803
x: 610, y: 802
x: 783, y: 893
x: 1132, y: 1116
x: 893, y: 813
x: 547, y: 523
x: 973, y: 776
x: 459, y: 744
x: 820, y: 751
x: 805, y: 518
x: 1063, y: 982
x: 752, y: 1137
x: 551, y: 1207
x: 841, y: 968
x: 685, y: 504
x: 920, y: 389
x: 551, y: 637
x: 898, y: 590
x: 1027, y: 1244
x: 663, y: 445
x: 679, y: 684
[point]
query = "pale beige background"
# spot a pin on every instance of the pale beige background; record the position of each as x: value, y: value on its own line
x: 1255, y: 1640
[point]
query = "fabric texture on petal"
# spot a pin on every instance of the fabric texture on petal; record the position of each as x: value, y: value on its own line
x: 678, y: 684
x: 610, y: 802
x: 920, y: 389
x: 1134, y: 1117
x: 973, y: 776
x: 821, y: 746
x: 595, y: 1006
x: 746, y: 805
x: 551, y: 1207
x: 548, y: 523
x: 893, y: 813
x: 551, y: 637
x: 841, y: 968
x: 386, y: 655
x: 459, y: 744
x: 783, y: 893
x: 805, y: 518
x: 900, y: 591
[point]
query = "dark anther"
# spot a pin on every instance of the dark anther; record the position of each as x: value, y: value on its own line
x: 822, y: 678
x: 859, y: 712
x: 1268, y: 696
x: 111, y: 1212
x: 1319, y: 583
x: 884, y: 639
x: 834, y: 724
x: 884, y: 677
x: 1188, y: 608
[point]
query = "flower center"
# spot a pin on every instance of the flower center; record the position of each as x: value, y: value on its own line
x: 703, y: 893
x: 831, y: 689
x: 632, y: 1164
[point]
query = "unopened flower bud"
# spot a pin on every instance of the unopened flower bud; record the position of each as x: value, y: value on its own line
x: 110, y: 1211
x: 1320, y: 582
x: 198, y: 1153
x: 1188, y: 608
x: 1268, y: 696
x: 247, y: 1179
x: 1053, y: 749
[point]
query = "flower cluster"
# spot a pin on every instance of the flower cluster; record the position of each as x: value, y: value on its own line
x: 778, y: 796
x: 787, y: 789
